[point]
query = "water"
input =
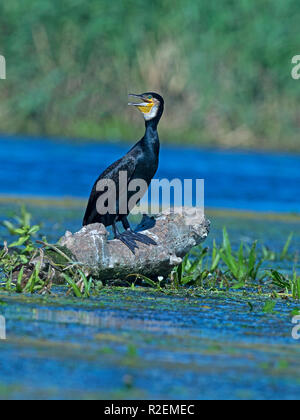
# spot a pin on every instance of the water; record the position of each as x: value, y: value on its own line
x: 236, y: 180
x: 133, y: 344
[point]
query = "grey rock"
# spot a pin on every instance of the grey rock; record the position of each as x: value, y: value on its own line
x: 175, y: 233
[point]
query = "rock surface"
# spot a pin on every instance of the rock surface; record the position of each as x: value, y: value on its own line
x: 175, y: 233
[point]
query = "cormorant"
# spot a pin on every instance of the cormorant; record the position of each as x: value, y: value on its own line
x: 141, y: 162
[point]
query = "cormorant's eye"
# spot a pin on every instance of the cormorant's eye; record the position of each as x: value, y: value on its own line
x: 149, y: 97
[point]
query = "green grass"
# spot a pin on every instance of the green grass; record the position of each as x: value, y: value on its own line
x: 28, y: 268
x: 223, y: 67
x: 223, y: 268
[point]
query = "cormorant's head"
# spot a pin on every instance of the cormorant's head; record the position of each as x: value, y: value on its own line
x: 150, y: 104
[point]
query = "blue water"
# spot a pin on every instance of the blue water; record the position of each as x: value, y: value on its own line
x: 202, y: 347
x: 233, y: 179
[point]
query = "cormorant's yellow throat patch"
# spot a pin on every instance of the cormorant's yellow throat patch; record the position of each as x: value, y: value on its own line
x: 146, y: 108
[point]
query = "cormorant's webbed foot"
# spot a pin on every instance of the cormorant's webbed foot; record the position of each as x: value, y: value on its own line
x: 123, y: 237
x: 128, y: 241
x: 140, y: 237
x: 135, y: 236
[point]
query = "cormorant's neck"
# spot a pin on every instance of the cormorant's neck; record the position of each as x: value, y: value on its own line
x: 151, y: 135
x: 151, y: 125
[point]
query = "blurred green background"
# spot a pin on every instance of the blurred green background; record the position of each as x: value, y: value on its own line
x: 224, y: 68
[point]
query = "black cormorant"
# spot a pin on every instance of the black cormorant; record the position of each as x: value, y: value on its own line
x: 140, y: 163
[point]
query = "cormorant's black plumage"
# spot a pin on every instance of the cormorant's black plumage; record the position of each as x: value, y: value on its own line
x: 141, y: 162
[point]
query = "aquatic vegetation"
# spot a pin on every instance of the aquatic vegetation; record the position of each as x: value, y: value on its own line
x: 21, y: 262
x: 241, y: 267
x: 224, y: 268
x: 288, y: 285
x: 221, y: 268
x: 284, y: 254
x: 24, y: 231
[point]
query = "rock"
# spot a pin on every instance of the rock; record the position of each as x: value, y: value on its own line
x: 175, y: 233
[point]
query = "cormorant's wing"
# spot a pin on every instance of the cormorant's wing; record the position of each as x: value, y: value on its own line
x: 126, y: 164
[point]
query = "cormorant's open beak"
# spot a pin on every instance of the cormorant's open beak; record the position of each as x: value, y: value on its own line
x: 144, y: 101
x: 145, y: 106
